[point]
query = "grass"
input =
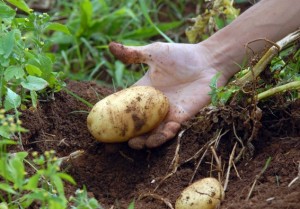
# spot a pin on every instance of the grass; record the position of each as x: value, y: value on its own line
x: 93, y: 24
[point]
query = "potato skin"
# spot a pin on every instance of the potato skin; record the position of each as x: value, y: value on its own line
x: 206, y: 193
x: 127, y: 113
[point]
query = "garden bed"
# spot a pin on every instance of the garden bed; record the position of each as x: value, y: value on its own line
x: 116, y: 175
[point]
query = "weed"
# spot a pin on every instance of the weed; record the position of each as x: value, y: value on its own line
x: 26, y: 64
x: 93, y: 24
x: 219, y: 14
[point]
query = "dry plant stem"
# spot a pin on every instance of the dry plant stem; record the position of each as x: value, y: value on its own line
x: 174, y: 162
x: 289, y: 86
x: 241, y: 142
x: 126, y: 157
x: 230, y: 163
x: 218, y: 162
x: 209, y: 143
x: 295, y: 179
x: 157, y: 197
x: 257, y: 177
x: 71, y: 156
x: 267, y: 57
x: 205, y: 148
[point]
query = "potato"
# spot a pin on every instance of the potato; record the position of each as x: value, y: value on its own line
x: 206, y: 193
x: 127, y: 113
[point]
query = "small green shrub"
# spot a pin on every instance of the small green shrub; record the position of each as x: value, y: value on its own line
x: 26, y: 64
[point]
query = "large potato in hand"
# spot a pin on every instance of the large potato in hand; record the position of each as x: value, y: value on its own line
x: 127, y: 113
x: 206, y: 193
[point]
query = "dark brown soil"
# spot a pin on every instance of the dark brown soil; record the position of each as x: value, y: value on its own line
x: 118, y: 175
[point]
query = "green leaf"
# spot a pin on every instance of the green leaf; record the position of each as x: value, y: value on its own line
x: 33, y: 70
x: 4, y: 132
x: 6, y: 11
x: 20, y: 4
x: 3, y: 205
x: 33, y: 96
x: 86, y: 11
x: 7, y: 142
x: 147, y: 32
x: 44, y: 63
x: 12, y: 100
x: 67, y: 177
x: 17, y: 168
x: 13, y: 71
x: 220, y: 22
x: 131, y: 205
x: 146, y: 15
x: 225, y: 96
x: 214, y: 80
x: 34, y: 83
x: 7, y: 188
x: 32, y: 183
x: 118, y: 73
x: 55, y: 180
x: 7, y: 43
x: 58, y: 27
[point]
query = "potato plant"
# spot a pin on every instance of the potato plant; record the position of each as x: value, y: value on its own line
x: 26, y: 66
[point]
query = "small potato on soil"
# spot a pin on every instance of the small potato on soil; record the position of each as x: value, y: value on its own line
x: 127, y: 113
x: 206, y: 193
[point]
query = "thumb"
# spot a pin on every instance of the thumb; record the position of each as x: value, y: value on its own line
x: 129, y: 54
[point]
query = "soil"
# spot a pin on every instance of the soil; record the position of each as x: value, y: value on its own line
x: 116, y: 175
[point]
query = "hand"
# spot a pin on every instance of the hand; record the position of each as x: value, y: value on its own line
x: 182, y: 72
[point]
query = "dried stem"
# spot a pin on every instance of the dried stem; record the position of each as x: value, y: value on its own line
x: 257, y: 177
x: 157, y: 197
x: 175, y: 161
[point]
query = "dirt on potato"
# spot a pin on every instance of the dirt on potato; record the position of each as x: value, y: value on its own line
x: 116, y: 175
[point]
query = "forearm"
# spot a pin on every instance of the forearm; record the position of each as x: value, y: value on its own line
x: 270, y: 19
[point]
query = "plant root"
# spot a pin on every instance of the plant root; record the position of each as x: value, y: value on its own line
x: 258, y: 177
x: 157, y: 197
x: 297, y: 178
x: 175, y: 161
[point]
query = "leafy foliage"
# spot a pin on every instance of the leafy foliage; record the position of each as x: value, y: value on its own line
x: 217, y: 16
x: 26, y: 66
x: 93, y: 24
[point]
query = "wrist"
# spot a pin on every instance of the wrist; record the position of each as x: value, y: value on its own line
x: 223, y: 56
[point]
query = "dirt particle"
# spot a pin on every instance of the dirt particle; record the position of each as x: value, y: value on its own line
x: 139, y: 98
x: 124, y: 130
x: 138, y: 122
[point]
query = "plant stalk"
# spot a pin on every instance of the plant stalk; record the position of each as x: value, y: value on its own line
x: 267, y: 57
x: 278, y: 89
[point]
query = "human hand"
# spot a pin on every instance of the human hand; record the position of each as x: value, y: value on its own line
x: 182, y: 72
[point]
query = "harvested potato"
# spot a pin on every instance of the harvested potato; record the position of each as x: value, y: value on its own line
x: 127, y: 113
x: 206, y: 193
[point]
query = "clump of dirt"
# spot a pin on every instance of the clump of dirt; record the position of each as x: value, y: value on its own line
x: 116, y: 175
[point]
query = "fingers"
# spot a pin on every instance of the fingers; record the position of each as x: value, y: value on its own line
x: 161, y: 136
x: 129, y: 55
x: 168, y: 132
x: 138, y: 142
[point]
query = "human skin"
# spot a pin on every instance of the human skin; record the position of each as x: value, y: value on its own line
x: 183, y: 71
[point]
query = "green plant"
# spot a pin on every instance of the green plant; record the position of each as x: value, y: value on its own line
x: 215, y: 17
x: 281, y: 63
x: 220, y: 95
x: 93, y: 24
x: 33, y: 180
x: 82, y: 201
x: 26, y: 66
